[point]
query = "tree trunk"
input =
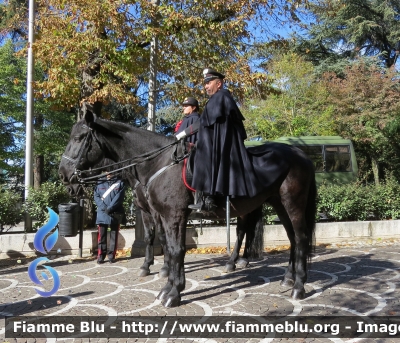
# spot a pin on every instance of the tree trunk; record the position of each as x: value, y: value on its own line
x: 89, y: 74
x: 38, y: 171
x: 375, y: 169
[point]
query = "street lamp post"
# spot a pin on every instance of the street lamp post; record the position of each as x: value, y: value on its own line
x: 153, y: 78
x: 139, y: 245
x: 29, y: 113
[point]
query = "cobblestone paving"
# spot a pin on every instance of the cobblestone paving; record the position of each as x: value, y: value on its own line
x: 352, y: 281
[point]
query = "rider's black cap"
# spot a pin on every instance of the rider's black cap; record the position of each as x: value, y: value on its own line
x: 211, y: 74
x: 190, y: 101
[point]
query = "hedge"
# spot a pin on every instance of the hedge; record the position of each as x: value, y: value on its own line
x: 11, y: 212
x: 351, y: 202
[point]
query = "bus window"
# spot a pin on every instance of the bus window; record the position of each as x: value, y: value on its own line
x: 337, y: 158
x: 316, y: 154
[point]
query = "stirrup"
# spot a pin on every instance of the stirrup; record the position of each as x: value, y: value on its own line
x: 197, y: 207
x: 206, y: 205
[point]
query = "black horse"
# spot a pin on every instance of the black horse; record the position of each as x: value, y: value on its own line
x: 148, y: 159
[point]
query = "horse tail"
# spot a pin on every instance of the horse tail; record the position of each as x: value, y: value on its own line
x: 257, y: 245
x: 311, y: 209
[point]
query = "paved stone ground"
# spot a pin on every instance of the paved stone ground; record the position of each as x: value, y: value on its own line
x: 359, y: 280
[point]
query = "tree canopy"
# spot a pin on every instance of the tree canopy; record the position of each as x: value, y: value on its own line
x: 339, y: 31
x: 12, y: 109
x: 297, y: 105
x: 365, y: 102
x: 99, y: 50
x: 51, y: 128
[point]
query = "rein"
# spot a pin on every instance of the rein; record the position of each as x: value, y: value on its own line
x: 141, y: 159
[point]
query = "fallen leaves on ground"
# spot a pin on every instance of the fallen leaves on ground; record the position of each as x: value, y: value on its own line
x: 123, y: 253
x: 208, y: 250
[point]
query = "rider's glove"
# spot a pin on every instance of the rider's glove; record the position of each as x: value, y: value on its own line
x: 180, y: 135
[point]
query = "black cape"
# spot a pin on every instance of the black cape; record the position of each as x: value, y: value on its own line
x: 222, y: 163
x: 188, y: 121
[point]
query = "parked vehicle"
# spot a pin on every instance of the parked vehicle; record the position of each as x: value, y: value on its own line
x: 333, y: 156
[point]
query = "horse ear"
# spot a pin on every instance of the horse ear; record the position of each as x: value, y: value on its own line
x: 89, y: 114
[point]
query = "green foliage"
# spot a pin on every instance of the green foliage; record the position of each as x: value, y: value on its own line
x: 51, y: 128
x: 48, y: 195
x: 355, y: 202
x: 129, y: 206
x: 347, y: 29
x: 269, y: 214
x: 12, y: 108
x: 10, y: 208
x: 297, y: 105
x: 365, y: 100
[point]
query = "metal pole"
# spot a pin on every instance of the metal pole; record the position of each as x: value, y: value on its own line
x: 29, y: 113
x: 139, y: 245
x: 82, y: 205
x: 153, y: 78
x: 228, y: 225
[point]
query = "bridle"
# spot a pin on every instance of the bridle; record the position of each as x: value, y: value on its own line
x: 86, y: 142
x: 134, y: 161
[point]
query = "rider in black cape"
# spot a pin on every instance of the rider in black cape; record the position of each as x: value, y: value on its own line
x: 223, y: 165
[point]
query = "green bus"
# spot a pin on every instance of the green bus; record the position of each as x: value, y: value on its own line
x: 333, y: 156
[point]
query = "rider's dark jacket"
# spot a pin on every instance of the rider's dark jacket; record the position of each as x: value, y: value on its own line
x: 186, y: 122
x: 222, y: 163
x: 112, y: 200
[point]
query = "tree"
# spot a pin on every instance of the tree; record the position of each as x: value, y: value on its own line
x: 295, y: 107
x: 51, y: 128
x: 12, y: 112
x: 99, y: 50
x: 13, y: 19
x: 340, y: 31
x: 365, y: 102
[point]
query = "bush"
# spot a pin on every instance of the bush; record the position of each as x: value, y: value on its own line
x: 129, y: 206
x: 48, y: 195
x: 355, y: 202
x: 10, y: 208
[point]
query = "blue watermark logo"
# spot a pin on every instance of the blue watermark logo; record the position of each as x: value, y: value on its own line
x: 43, y: 242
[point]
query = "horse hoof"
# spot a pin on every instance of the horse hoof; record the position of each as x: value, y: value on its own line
x: 287, y: 282
x: 298, y: 294
x: 172, y: 302
x: 229, y: 268
x: 164, y: 272
x: 242, y: 263
x: 143, y: 272
x: 162, y: 295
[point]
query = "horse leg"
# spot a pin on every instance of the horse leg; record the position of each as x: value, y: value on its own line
x: 149, y: 235
x: 254, y: 246
x: 170, y: 294
x: 164, y: 272
x: 300, y: 260
x: 240, y: 232
x: 288, y: 279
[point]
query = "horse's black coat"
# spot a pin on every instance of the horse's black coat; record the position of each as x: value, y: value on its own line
x: 166, y: 198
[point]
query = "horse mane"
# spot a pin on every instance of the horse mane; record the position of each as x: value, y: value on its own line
x: 118, y: 128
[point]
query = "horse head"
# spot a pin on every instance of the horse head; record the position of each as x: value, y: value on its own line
x: 84, y: 150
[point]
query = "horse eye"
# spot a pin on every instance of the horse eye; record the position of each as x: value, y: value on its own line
x: 77, y: 138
